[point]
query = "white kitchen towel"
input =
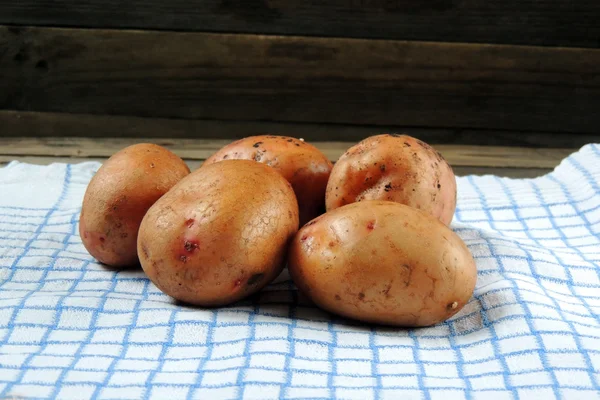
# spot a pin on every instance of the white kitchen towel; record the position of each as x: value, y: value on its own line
x: 72, y: 328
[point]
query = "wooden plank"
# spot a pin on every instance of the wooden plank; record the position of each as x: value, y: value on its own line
x: 200, y: 149
x: 300, y: 79
x: 44, y: 124
x: 194, y: 164
x: 540, y: 22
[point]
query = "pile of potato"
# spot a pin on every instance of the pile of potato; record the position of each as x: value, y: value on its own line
x: 366, y: 239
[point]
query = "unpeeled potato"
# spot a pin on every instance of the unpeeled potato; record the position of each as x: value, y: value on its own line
x: 383, y: 262
x: 220, y: 234
x: 302, y: 164
x: 397, y: 168
x: 118, y: 196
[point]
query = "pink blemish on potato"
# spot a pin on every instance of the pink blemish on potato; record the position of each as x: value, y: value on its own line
x: 190, y: 222
x: 191, y: 245
x: 303, y: 238
x: 95, y: 239
x: 371, y: 225
x: 237, y: 284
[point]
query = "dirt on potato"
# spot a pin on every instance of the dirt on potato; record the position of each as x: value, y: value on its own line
x: 396, y: 168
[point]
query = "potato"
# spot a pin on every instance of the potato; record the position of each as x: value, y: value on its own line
x: 119, y: 195
x: 302, y: 164
x: 383, y: 262
x: 396, y: 168
x: 220, y: 234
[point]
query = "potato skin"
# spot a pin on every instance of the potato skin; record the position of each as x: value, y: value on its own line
x: 302, y: 164
x: 397, y: 168
x: 383, y: 262
x: 220, y: 234
x: 118, y: 196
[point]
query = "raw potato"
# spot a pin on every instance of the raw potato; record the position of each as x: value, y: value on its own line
x: 119, y: 195
x: 383, y: 262
x: 397, y: 168
x: 302, y: 164
x: 221, y: 234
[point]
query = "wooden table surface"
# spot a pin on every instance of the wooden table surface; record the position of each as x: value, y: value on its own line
x: 515, y: 162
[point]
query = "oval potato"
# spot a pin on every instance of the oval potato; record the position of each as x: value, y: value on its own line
x: 118, y: 196
x: 397, y: 168
x: 302, y: 164
x: 219, y: 235
x: 383, y: 262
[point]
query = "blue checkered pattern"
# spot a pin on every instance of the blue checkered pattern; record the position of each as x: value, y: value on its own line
x: 71, y: 328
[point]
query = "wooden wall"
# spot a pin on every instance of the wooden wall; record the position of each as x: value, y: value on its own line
x: 450, y: 71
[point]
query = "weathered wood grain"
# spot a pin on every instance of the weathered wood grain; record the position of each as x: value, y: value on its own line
x: 540, y: 22
x: 299, y: 79
x: 200, y: 149
x: 45, y: 124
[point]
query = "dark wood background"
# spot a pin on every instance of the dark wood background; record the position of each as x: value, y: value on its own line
x: 449, y: 71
